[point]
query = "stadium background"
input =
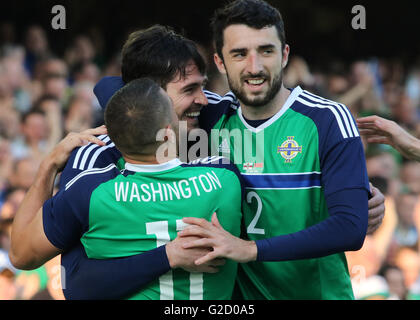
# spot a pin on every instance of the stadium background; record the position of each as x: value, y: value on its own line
x: 373, y: 71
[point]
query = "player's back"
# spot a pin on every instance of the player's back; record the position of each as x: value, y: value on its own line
x: 143, y: 207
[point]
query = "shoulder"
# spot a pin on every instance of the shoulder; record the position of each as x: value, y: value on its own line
x: 88, y: 180
x: 214, y: 162
x: 229, y: 99
x: 329, y: 116
x: 217, y: 107
x: 92, y: 155
x: 106, y: 88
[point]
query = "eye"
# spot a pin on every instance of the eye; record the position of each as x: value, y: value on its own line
x: 268, y: 51
x: 239, y: 55
x: 189, y: 90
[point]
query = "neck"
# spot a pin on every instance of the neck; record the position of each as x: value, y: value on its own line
x: 268, y: 110
x: 147, y: 159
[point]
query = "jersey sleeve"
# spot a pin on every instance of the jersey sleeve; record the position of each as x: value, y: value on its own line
x: 88, y: 157
x: 88, y: 279
x: 344, y: 230
x: 341, y: 155
x: 105, y: 89
x: 65, y: 218
x: 343, y: 163
x: 217, y: 107
x: 66, y: 215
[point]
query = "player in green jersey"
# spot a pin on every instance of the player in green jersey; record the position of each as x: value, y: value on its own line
x: 306, y: 183
x: 122, y: 213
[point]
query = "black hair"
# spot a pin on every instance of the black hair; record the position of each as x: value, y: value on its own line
x: 135, y: 114
x: 256, y: 14
x: 160, y: 54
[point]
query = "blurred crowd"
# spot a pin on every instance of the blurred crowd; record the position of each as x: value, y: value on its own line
x: 43, y: 96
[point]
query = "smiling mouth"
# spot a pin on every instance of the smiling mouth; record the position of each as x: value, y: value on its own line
x: 255, y: 82
x: 192, y: 114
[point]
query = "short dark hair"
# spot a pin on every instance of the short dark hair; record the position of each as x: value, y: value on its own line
x: 158, y: 53
x: 135, y: 114
x: 256, y: 14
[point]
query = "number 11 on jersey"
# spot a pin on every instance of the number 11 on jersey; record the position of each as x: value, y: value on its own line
x: 161, y: 230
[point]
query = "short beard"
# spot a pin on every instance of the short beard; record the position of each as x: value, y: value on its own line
x: 258, y: 101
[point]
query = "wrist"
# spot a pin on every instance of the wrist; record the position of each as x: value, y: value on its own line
x: 253, y: 251
x: 46, y: 174
x: 48, y: 164
x: 171, y: 258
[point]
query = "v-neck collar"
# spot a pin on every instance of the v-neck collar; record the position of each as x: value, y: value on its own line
x: 290, y: 100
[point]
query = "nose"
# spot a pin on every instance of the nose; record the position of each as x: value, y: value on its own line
x: 201, y: 98
x: 254, y: 65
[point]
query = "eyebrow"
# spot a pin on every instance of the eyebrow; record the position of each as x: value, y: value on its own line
x: 266, y: 46
x: 262, y: 47
x: 195, y: 84
x: 238, y: 50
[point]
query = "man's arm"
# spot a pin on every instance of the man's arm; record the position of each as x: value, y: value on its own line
x: 380, y: 130
x: 346, y: 190
x: 344, y: 230
x: 122, y: 277
x: 30, y: 247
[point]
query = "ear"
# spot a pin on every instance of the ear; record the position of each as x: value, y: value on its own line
x: 219, y: 63
x: 286, y: 52
x: 170, y: 134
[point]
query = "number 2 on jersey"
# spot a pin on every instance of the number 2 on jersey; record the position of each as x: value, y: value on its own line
x: 251, y: 228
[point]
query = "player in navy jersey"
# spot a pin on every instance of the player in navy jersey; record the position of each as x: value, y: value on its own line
x: 118, y: 213
x: 223, y: 103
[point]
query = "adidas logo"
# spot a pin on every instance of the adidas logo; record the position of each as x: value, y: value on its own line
x: 224, y: 147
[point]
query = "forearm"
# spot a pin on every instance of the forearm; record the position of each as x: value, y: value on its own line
x: 118, y: 278
x: 344, y: 230
x: 409, y: 147
x: 30, y: 246
x: 110, y: 279
x: 38, y: 193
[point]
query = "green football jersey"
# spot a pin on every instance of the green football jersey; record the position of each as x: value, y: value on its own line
x: 285, y: 163
x: 122, y: 213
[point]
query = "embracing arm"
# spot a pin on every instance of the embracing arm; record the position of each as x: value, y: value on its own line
x: 30, y: 247
x: 346, y: 193
x: 120, y: 277
x: 110, y: 279
x: 344, y: 230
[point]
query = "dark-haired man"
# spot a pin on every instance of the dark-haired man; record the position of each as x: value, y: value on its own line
x: 307, y: 203
x: 180, y: 70
x: 221, y: 107
x: 117, y: 213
